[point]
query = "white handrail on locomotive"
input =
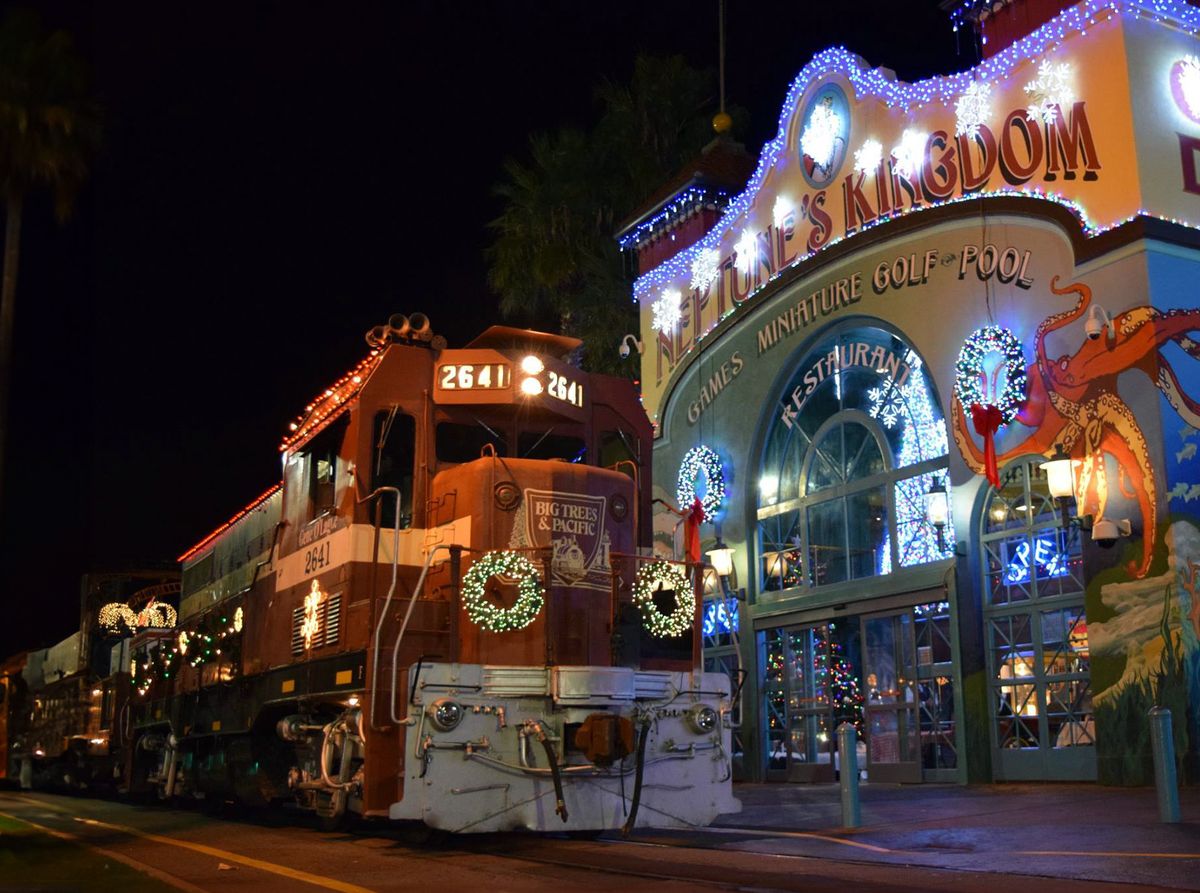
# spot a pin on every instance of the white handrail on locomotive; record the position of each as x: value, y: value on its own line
x: 404, y: 626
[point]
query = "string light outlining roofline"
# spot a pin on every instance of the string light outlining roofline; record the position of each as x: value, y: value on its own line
x: 872, y: 82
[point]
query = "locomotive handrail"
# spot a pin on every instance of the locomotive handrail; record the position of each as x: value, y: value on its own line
x: 637, y: 557
x: 412, y: 602
x: 391, y: 590
x: 637, y: 484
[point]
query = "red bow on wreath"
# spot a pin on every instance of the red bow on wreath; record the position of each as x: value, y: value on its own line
x: 987, y: 421
x: 691, y: 531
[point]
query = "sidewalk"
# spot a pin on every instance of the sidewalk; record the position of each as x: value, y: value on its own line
x: 1082, y: 831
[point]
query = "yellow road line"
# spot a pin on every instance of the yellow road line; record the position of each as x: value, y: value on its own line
x: 1116, y: 855
x: 315, y: 879
x: 295, y: 874
x: 142, y: 867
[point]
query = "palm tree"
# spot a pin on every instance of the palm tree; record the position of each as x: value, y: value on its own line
x: 48, y: 130
x: 553, y: 249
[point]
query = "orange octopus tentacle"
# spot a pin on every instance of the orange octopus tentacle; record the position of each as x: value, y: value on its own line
x: 1125, y: 442
x: 1123, y: 483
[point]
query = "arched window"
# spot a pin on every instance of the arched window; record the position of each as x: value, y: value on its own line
x: 857, y: 441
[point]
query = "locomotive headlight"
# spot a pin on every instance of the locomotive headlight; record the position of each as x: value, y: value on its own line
x: 445, y: 714
x: 532, y: 365
x: 703, y: 719
x: 531, y: 386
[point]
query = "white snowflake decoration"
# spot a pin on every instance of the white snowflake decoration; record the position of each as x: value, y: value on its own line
x: 908, y: 153
x: 783, y: 207
x: 1189, y: 83
x: 705, y: 267
x: 972, y: 109
x: 667, y: 312
x: 1051, y: 90
x: 820, y: 134
x: 868, y: 156
x: 888, y: 402
x: 747, y: 250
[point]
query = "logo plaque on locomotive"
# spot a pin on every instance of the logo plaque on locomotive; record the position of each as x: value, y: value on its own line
x: 573, y: 526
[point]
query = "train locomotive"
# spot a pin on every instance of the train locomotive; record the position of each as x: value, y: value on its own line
x: 447, y: 611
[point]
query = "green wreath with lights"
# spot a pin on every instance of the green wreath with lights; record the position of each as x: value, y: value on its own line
x: 656, y: 577
x: 701, y: 460
x: 511, y: 566
x: 969, y: 377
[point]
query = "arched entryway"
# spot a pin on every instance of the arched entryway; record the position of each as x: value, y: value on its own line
x: 854, y: 442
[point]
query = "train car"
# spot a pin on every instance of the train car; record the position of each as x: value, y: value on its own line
x: 446, y: 611
x: 13, y: 712
x: 64, y: 721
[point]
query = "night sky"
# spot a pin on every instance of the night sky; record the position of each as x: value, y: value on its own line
x: 276, y: 179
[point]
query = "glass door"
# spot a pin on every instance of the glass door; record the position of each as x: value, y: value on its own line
x: 811, y: 739
x: 890, y: 674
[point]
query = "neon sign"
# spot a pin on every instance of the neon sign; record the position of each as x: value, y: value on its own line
x: 1043, y: 554
x: 720, y: 616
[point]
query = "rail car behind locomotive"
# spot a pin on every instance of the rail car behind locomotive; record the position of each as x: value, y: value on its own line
x: 431, y: 616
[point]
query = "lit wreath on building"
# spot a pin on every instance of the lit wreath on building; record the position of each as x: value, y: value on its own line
x: 511, y: 565
x: 701, y: 460
x: 990, y: 408
x: 970, y: 376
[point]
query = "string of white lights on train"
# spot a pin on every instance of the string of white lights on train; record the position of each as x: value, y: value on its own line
x: 659, y: 576
x: 508, y: 567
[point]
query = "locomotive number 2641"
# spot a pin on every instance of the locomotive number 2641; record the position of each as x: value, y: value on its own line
x: 316, y: 558
x: 473, y: 376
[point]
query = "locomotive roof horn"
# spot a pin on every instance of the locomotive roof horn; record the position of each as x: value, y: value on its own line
x: 419, y: 328
x: 398, y: 328
x: 378, y: 336
x: 399, y: 325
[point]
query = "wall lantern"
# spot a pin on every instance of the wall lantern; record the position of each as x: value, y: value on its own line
x: 1060, y: 478
x: 937, y: 509
x: 721, y: 558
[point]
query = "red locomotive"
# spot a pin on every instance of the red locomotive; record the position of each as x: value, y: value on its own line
x: 446, y: 612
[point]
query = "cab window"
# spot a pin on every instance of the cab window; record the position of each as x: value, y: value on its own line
x: 322, y: 470
x: 546, y: 445
x: 393, y: 461
x: 457, y: 442
x: 617, y: 446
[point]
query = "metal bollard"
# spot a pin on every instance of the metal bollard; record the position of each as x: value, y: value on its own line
x: 1166, y: 784
x: 848, y: 756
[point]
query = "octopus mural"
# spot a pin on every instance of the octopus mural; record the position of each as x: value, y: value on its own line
x: 1073, y: 402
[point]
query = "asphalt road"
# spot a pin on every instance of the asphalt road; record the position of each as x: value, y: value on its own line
x: 196, y: 851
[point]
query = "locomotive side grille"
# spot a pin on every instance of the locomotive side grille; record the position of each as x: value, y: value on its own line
x: 651, y: 685
x: 514, y: 682
x: 331, y: 620
x: 297, y: 634
x: 329, y: 625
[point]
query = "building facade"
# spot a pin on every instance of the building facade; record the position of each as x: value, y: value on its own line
x: 935, y: 288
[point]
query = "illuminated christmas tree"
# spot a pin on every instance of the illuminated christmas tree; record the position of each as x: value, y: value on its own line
x: 841, y: 689
x: 910, y: 407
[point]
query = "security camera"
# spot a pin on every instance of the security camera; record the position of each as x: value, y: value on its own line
x: 1098, y: 320
x: 628, y: 344
x: 1105, y: 533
